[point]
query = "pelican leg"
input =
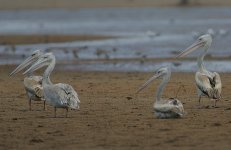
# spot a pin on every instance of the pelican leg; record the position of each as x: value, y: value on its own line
x: 199, y: 100
x: 55, y: 112
x: 30, y: 104
x: 66, y: 111
x: 215, y: 102
x: 44, y: 105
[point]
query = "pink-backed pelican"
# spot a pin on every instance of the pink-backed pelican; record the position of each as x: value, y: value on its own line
x: 32, y: 84
x: 208, y: 83
x: 58, y: 95
x: 164, y: 108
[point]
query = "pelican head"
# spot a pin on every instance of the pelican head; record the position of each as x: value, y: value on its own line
x: 203, y: 41
x: 159, y: 73
x: 31, y: 59
x: 44, y: 60
x: 162, y: 72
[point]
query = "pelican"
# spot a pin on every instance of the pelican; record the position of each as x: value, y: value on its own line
x: 58, y: 95
x: 164, y: 108
x: 208, y: 83
x: 32, y: 84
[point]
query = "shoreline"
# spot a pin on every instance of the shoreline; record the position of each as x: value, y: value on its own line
x: 27, y: 39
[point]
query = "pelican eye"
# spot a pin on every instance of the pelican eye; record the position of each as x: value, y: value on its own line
x: 174, y: 102
x: 33, y: 55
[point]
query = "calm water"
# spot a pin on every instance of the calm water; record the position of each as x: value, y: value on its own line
x: 142, y: 33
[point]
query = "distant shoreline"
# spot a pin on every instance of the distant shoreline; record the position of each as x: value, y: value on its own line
x: 78, y: 4
x: 20, y: 39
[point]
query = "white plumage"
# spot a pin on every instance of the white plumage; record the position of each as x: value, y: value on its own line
x: 164, y: 108
x: 208, y: 83
x: 58, y: 95
x: 32, y: 84
x: 209, y: 86
x: 66, y: 96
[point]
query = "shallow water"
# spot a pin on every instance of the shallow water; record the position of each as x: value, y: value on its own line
x: 184, y: 66
x: 141, y: 33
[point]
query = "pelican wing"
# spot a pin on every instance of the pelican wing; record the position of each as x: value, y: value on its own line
x: 204, y: 83
x: 67, y: 95
x: 218, y: 85
x: 209, y: 85
x: 36, y: 78
x: 170, y: 106
x: 38, y: 90
x: 33, y: 85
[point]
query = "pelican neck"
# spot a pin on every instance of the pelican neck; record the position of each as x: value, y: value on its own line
x: 161, y: 87
x: 47, y: 73
x: 200, y: 60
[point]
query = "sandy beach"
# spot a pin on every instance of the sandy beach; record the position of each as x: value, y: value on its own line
x: 112, y: 116
x: 90, y: 35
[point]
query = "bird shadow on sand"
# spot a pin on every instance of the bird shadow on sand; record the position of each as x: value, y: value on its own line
x: 27, y: 110
x: 206, y: 107
x: 57, y: 117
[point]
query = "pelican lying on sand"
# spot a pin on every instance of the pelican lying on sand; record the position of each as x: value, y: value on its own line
x: 208, y: 83
x: 32, y: 84
x: 58, y: 95
x: 164, y: 108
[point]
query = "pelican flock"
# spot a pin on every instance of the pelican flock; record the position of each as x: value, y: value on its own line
x: 164, y: 108
x: 208, y: 83
x: 58, y: 95
x: 32, y: 84
x: 63, y: 95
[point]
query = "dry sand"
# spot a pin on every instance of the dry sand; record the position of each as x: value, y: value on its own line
x: 112, y: 116
x: 76, y: 4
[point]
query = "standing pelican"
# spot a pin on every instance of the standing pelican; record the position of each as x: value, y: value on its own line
x: 208, y: 83
x: 58, y: 95
x: 164, y: 108
x: 32, y: 84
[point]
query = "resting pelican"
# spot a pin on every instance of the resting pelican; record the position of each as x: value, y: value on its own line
x: 208, y: 83
x: 58, y: 95
x: 164, y: 108
x: 32, y: 84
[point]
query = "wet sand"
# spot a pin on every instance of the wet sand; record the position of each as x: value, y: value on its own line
x: 112, y: 116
